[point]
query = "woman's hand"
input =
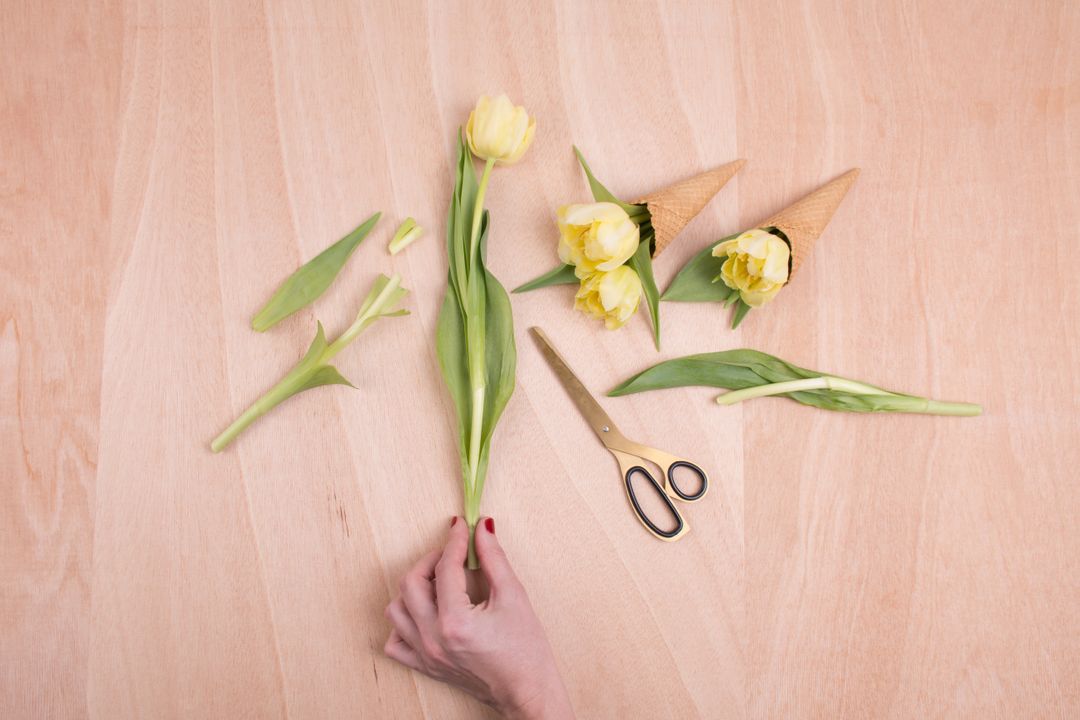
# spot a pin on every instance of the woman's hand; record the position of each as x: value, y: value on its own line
x: 496, y: 651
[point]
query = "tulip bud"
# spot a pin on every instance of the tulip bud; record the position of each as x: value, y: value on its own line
x: 499, y: 131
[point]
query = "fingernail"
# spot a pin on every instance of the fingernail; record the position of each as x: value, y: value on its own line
x: 490, y: 525
x: 453, y: 521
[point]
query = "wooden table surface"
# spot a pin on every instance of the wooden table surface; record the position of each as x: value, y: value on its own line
x: 164, y: 166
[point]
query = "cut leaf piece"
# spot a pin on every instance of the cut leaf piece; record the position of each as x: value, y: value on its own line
x: 311, y: 280
x: 407, y: 233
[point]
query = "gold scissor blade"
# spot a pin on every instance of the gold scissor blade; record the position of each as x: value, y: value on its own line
x: 598, y: 419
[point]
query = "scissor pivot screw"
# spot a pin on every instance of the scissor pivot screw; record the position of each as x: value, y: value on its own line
x: 605, y: 428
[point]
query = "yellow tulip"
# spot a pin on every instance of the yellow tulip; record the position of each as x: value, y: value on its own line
x: 499, y: 131
x: 756, y: 265
x: 597, y: 237
x: 610, y: 296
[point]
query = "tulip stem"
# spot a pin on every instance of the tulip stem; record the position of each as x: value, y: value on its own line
x: 478, y: 210
x: 476, y: 342
x: 896, y: 402
x: 825, y: 382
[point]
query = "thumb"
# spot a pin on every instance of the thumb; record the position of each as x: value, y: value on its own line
x: 493, y: 561
x: 450, y: 570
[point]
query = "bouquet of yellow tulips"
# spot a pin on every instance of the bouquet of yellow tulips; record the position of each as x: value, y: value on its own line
x: 607, y: 246
x: 748, y: 269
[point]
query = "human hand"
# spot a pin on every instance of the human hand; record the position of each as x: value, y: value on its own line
x: 496, y: 650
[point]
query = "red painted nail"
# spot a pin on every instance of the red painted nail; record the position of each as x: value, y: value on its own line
x: 490, y: 525
x: 453, y: 521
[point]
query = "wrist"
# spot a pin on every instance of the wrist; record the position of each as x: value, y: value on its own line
x: 548, y: 701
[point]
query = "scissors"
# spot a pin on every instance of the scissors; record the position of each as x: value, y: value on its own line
x: 630, y: 455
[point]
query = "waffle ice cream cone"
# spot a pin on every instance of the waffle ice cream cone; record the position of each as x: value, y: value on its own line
x: 805, y: 220
x: 676, y: 205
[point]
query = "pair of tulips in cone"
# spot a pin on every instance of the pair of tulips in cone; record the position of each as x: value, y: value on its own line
x: 608, y: 246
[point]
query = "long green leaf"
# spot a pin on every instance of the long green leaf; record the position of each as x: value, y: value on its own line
x: 453, y: 360
x: 562, y: 275
x: 740, y: 369
x: 731, y: 369
x: 501, y: 351
x: 641, y: 262
x: 310, y: 281
x: 602, y: 194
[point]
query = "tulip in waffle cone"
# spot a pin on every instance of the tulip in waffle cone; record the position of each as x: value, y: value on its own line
x: 675, y: 206
x: 805, y: 220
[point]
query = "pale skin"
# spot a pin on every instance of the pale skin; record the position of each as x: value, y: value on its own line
x: 496, y: 650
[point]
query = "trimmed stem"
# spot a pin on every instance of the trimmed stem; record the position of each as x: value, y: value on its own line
x: 961, y: 409
x: 825, y: 382
x: 472, y: 517
x: 274, y: 397
x: 293, y: 382
x: 902, y: 403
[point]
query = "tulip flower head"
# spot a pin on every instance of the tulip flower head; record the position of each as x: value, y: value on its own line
x: 756, y: 265
x: 596, y: 237
x: 610, y: 296
x: 498, y: 130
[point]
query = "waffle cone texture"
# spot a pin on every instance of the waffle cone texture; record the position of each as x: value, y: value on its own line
x: 675, y: 206
x: 804, y: 221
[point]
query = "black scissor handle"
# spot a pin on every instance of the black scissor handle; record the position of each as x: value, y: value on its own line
x: 666, y: 534
x: 694, y: 469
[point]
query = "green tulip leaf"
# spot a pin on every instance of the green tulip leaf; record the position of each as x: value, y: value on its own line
x: 749, y: 374
x: 311, y: 280
x: 562, y: 275
x: 741, y: 308
x: 602, y: 194
x: 696, y: 282
x: 641, y: 262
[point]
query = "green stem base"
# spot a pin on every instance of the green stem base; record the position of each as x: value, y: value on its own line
x: 472, y: 562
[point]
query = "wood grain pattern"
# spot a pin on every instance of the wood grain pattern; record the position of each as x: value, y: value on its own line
x: 164, y: 164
